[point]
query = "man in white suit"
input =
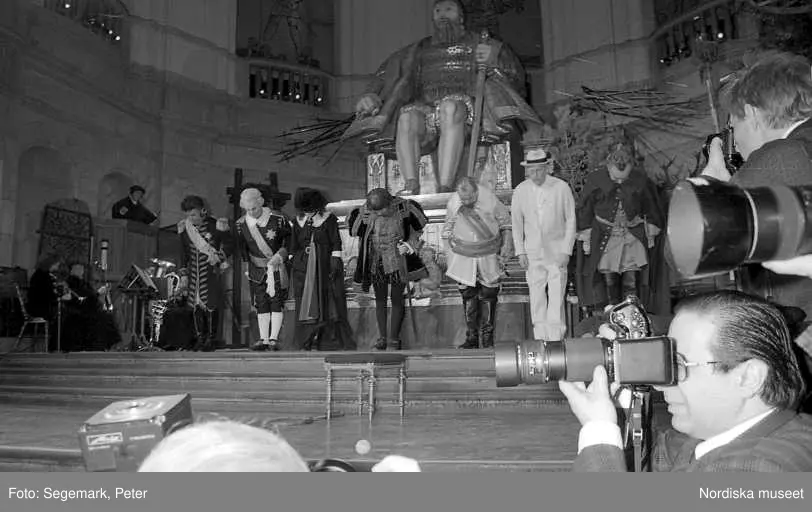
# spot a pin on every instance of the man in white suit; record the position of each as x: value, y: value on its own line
x: 543, y: 214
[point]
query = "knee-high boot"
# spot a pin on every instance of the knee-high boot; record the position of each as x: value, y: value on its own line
x: 470, y: 305
x: 612, y: 282
x: 631, y: 283
x: 489, y: 296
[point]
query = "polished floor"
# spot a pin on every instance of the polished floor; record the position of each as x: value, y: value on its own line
x: 488, y: 437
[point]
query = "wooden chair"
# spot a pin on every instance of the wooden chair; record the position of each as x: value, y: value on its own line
x: 36, y: 321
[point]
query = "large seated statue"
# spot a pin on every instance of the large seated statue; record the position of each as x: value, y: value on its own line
x: 422, y: 97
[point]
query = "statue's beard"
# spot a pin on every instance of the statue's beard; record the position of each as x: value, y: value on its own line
x: 447, y: 32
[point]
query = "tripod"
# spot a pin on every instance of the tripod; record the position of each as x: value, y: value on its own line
x: 638, y: 430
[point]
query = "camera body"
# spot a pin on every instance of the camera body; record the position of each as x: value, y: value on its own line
x: 633, y: 358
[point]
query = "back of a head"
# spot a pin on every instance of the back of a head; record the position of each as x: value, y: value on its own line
x: 777, y: 83
x: 749, y: 327
x: 223, y: 447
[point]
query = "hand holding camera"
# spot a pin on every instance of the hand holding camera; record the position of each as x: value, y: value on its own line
x: 716, y: 166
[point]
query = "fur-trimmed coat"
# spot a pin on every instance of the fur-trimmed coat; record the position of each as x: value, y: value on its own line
x: 412, y: 219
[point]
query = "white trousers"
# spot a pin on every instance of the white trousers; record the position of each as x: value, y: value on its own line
x: 548, y: 284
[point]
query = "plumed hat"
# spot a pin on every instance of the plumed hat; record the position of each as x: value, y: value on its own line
x: 251, y: 198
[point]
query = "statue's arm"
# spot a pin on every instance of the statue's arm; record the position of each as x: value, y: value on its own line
x: 509, y: 68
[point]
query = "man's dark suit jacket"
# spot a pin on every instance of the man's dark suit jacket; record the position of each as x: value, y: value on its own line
x: 780, y: 443
x: 779, y: 162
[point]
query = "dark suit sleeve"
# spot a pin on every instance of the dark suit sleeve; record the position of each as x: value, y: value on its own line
x: 780, y: 162
x: 602, y: 458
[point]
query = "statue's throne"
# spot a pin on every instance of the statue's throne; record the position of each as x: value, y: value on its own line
x: 497, y: 165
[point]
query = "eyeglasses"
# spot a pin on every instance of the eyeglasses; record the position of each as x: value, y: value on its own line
x: 683, y: 365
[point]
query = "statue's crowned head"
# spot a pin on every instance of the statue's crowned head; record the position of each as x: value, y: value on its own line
x: 449, y: 20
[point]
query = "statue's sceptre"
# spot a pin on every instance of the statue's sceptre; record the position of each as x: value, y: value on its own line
x: 478, y: 101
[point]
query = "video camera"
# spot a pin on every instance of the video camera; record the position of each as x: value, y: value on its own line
x: 715, y: 227
x: 634, y: 358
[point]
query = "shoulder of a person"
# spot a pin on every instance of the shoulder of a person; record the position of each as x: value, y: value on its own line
x: 787, y: 448
x: 558, y: 183
x: 181, y: 226
x: 241, y: 220
x: 521, y: 187
x: 782, y: 161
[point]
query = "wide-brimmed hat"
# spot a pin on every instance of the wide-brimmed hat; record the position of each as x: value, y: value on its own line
x: 536, y: 157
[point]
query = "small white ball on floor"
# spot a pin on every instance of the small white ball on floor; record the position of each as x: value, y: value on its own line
x: 362, y: 447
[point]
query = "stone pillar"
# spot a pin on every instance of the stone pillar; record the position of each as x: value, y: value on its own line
x: 192, y: 39
x: 367, y: 32
x: 606, y: 48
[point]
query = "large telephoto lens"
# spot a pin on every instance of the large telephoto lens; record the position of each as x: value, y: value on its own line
x: 538, y: 362
x: 715, y: 227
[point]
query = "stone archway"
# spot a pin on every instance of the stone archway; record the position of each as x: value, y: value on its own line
x: 44, y: 177
x: 113, y: 186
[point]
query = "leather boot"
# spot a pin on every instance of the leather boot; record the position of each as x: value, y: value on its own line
x: 490, y: 297
x: 630, y: 282
x: 470, y: 305
x: 612, y: 282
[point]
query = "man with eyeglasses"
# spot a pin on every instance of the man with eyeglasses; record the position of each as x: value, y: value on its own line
x: 734, y: 407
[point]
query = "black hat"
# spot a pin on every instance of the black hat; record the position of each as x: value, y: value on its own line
x: 137, y: 188
x: 309, y: 200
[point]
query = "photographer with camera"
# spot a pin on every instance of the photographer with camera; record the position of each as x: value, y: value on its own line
x: 770, y: 111
x: 734, y: 406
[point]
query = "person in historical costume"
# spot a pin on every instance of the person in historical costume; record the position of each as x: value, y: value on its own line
x: 479, y: 240
x: 619, y: 218
x: 206, y: 243
x: 45, y: 290
x: 422, y: 97
x: 264, y: 236
x: 389, y: 255
x: 131, y: 208
x: 86, y: 325
x: 543, y: 214
x: 317, y: 276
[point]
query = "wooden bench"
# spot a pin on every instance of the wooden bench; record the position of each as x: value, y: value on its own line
x: 369, y: 366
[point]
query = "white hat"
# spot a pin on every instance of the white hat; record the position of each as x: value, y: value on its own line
x: 537, y: 156
x: 251, y: 198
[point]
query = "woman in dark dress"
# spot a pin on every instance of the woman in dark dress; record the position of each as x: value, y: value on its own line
x: 318, y: 276
x: 46, y: 287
